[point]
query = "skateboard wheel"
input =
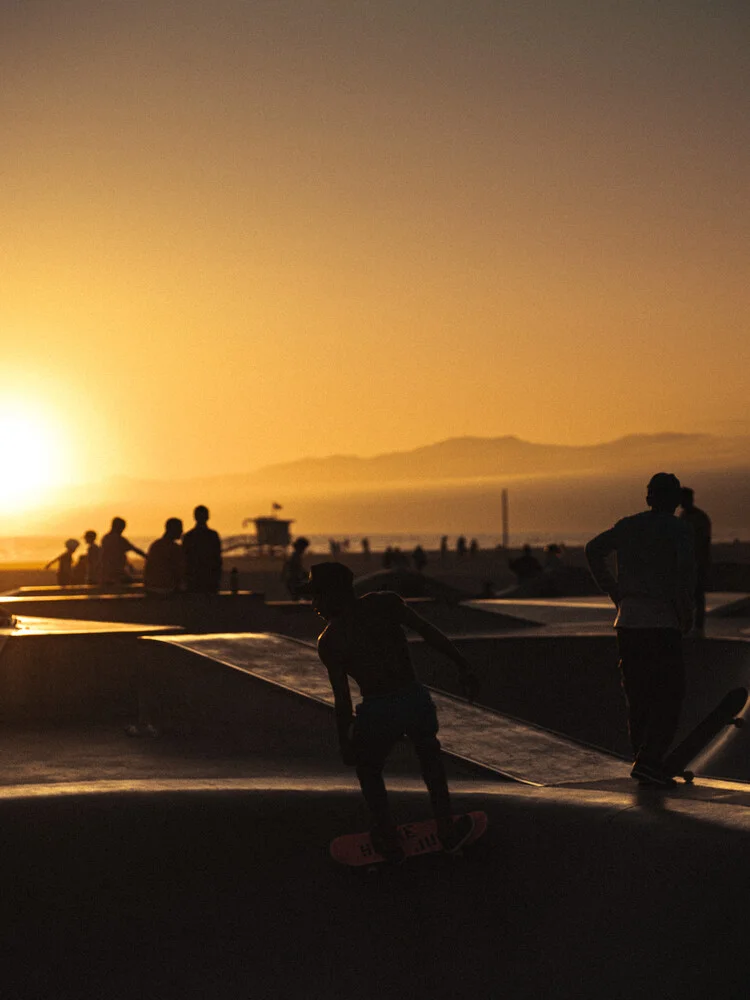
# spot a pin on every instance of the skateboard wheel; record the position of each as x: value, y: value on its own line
x: 739, y: 723
x: 688, y: 777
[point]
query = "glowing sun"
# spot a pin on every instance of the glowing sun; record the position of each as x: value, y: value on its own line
x: 33, y: 464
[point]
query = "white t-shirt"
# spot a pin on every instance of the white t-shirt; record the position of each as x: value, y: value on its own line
x: 655, y: 570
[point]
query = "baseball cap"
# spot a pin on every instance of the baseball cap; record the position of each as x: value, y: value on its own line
x: 326, y: 577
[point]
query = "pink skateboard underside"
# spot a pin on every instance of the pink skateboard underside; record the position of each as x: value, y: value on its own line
x: 416, y: 838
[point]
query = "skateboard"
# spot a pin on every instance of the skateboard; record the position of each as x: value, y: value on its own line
x: 725, y: 714
x: 355, y: 849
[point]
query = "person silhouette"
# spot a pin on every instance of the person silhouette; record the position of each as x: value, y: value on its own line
x: 364, y: 639
x: 114, y: 550
x: 92, y: 568
x: 165, y: 563
x: 419, y: 558
x: 64, y: 563
x: 653, y: 592
x: 526, y: 566
x: 293, y: 572
x: 700, y: 522
x: 201, y: 548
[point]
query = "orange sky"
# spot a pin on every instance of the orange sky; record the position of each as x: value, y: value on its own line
x: 241, y: 232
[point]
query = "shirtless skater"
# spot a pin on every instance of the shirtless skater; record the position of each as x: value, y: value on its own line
x: 364, y: 639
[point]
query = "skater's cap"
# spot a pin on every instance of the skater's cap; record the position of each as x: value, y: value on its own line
x: 326, y: 577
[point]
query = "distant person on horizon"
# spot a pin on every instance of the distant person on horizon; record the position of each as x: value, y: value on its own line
x: 293, y: 572
x: 87, y: 570
x: 652, y: 590
x: 419, y: 558
x: 164, y: 574
x: 526, y: 566
x: 365, y: 543
x: 461, y: 546
x: 64, y: 563
x: 114, y: 550
x: 700, y: 522
x: 364, y: 639
x: 443, y: 548
x: 201, y: 548
x: 552, y: 558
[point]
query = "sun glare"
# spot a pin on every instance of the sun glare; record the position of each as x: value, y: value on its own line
x: 32, y: 461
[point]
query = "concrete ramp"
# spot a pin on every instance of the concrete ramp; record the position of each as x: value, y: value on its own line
x: 473, y: 733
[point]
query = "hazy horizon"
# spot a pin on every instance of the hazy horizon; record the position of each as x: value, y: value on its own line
x: 452, y: 486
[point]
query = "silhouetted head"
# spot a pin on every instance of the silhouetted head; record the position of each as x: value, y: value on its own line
x: 331, y: 586
x: 173, y: 527
x: 118, y: 525
x: 201, y: 514
x: 72, y: 544
x: 300, y: 544
x: 90, y: 537
x: 664, y: 492
x: 686, y: 498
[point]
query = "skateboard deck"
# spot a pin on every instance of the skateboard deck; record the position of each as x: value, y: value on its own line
x: 725, y: 714
x: 355, y: 849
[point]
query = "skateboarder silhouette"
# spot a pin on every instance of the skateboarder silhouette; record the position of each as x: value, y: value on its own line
x: 365, y: 640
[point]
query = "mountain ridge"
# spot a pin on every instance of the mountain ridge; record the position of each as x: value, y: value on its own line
x: 472, y: 456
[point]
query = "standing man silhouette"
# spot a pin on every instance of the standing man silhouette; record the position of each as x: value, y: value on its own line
x: 701, y: 524
x: 201, y: 547
x: 165, y: 564
x: 652, y: 590
x: 114, y: 550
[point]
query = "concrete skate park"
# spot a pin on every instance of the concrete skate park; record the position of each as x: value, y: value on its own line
x: 196, y: 863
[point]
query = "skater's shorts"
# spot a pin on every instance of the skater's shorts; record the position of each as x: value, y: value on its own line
x: 388, y: 717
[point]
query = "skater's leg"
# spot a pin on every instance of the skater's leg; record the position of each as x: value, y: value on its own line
x: 434, y: 777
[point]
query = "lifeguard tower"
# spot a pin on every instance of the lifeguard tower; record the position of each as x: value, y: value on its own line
x: 271, y: 532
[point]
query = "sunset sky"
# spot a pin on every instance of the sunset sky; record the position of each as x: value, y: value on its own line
x: 235, y: 233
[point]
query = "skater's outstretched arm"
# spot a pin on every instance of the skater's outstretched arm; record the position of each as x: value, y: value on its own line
x: 439, y: 641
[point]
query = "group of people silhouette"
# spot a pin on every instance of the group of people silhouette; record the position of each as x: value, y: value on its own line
x: 177, y: 561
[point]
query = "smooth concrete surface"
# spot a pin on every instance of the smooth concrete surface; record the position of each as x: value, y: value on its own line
x: 471, y: 732
x: 228, y: 892
x: 241, y: 612
x: 557, y: 610
x: 570, y: 683
x: 196, y: 865
x: 60, y: 671
x: 27, y: 626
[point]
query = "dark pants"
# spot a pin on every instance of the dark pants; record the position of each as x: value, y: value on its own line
x: 653, y: 678
x: 379, y: 724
